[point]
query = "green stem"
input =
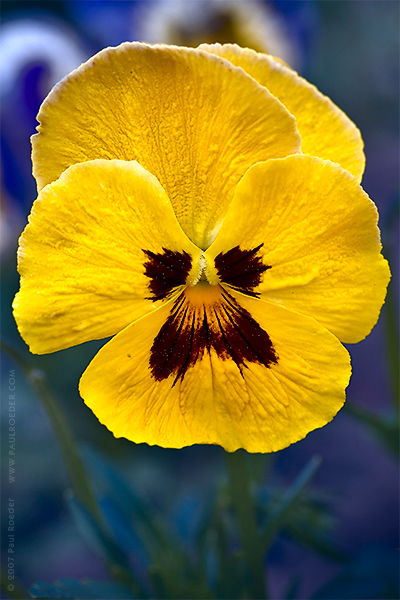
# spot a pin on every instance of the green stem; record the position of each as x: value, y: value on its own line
x: 246, y: 517
x: 75, y: 468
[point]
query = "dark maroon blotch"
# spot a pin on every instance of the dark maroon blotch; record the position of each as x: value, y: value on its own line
x: 166, y: 271
x: 189, y: 331
x: 242, y: 269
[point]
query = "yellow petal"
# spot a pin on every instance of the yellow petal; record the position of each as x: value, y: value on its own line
x: 192, y: 119
x: 325, y: 130
x: 82, y: 256
x: 218, y: 400
x: 320, y: 242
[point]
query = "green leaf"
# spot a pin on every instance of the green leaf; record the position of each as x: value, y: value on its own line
x: 82, y: 590
x: 121, y: 528
x: 97, y: 538
x: 315, y: 540
x: 288, y: 501
x: 135, y: 520
x: 312, y: 524
x: 142, y: 519
x: 138, y: 509
x: 385, y: 429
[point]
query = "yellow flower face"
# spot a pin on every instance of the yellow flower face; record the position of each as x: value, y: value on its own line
x: 203, y: 207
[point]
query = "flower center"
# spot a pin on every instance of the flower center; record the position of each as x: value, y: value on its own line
x: 240, y: 269
x: 206, y: 318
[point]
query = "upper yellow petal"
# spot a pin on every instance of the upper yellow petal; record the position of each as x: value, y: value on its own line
x: 190, y: 118
x: 320, y: 240
x: 325, y: 130
x: 218, y: 401
x: 82, y: 256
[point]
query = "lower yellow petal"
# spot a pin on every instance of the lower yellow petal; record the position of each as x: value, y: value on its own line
x: 325, y: 130
x: 318, y: 241
x: 218, y: 399
x: 82, y: 258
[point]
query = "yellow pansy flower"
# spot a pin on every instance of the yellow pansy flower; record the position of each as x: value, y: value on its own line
x: 203, y: 207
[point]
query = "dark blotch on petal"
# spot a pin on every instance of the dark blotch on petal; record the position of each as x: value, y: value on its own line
x: 242, y: 269
x: 192, y: 329
x: 166, y: 271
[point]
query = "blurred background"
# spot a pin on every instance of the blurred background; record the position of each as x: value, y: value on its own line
x: 350, y: 51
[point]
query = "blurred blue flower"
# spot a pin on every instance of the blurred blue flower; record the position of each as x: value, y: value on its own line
x: 36, y: 54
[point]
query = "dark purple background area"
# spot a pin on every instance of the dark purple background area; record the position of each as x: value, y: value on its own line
x: 350, y: 50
